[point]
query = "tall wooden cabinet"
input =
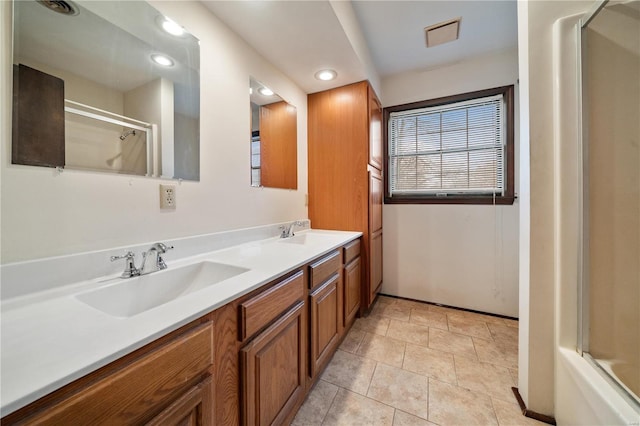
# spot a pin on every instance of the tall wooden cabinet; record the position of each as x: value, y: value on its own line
x: 345, y: 172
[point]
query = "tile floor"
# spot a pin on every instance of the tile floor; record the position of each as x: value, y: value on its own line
x: 411, y: 363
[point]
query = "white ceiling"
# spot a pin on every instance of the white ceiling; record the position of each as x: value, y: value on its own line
x: 400, y: 46
x: 301, y: 37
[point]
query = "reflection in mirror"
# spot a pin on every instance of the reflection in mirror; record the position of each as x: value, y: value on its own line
x: 105, y: 86
x: 273, y: 139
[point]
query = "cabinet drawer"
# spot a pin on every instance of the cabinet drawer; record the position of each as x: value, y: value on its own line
x: 324, y: 268
x: 351, y: 251
x: 127, y: 396
x: 259, y: 311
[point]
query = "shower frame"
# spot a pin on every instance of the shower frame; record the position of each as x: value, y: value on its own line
x: 583, y: 209
x: 120, y: 120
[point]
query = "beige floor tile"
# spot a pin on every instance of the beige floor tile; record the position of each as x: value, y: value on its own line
x: 514, y: 376
x: 373, y: 324
x: 400, y: 389
x: 408, y: 332
x: 490, y: 319
x: 444, y: 310
x: 351, y: 409
x: 511, y: 323
x: 352, y: 340
x: 509, y: 414
x: 504, y: 332
x: 316, y: 405
x: 405, y: 419
x: 483, y: 377
x: 430, y: 362
x: 385, y: 300
x: 451, y: 342
x: 413, y: 304
x: 349, y: 371
x: 429, y: 318
x: 496, y: 352
x: 456, y: 406
x: 394, y: 311
x: 383, y: 349
x: 469, y: 326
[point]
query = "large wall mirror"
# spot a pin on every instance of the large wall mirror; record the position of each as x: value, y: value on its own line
x: 274, y: 132
x: 111, y: 86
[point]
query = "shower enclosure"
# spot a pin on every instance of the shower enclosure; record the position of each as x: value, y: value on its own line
x: 103, y: 141
x: 610, y: 222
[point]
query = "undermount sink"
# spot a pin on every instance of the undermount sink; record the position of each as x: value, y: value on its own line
x: 129, y: 297
x: 303, y: 239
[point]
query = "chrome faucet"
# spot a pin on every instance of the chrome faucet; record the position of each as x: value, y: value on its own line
x: 287, y: 230
x: 159, y: 249
x: 130, y: 269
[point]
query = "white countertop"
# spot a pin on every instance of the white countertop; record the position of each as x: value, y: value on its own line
x: 50, y: 338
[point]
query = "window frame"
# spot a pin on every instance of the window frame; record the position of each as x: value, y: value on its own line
x: 509, y: 194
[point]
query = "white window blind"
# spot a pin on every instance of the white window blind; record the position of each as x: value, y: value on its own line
x: 453, y: 149
x: 255, y: 159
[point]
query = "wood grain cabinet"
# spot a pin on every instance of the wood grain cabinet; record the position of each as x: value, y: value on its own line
x: 273, y: 367
x: 166, y: 382
x: 193, y: 408
x: 325, y: 311
x: 273, y: 363
x: 345, y: 171
x: 352, y: 282
x: 271, y: 345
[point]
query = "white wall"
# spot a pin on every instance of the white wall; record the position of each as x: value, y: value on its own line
x: 524, y: 203
x: 538, y: 386
x: 46, y: 214
x: 459, y: 255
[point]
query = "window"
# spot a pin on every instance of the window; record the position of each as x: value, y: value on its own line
x: 453, y: 150
x: 255, y: 158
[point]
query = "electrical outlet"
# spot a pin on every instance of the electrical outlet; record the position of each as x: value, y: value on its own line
x: 167, y: 196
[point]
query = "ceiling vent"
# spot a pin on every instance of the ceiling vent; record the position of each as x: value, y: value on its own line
x: 443, y: 32
x: 60, y: 6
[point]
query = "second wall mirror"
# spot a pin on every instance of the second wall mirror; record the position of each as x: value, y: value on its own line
x: 274, y: 129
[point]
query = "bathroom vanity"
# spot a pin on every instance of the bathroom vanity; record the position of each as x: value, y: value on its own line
x: 245, y: 350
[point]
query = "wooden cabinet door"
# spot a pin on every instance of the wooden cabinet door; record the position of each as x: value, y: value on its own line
x: 375, y: 265
x: 352, y: 284
x: 375, y: 131
x: 325, y: 323
x: 273, y: 370
x: 38, y: 118
x: 130, y: 390
x: 193, y: 408
x: 376, y: 188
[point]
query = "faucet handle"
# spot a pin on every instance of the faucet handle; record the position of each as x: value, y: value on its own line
x: 162, y: 247
x: 128, y: 255
x: 130, y: 269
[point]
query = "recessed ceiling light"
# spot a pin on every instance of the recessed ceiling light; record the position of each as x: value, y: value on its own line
x: 163, y: 60
x: 171, y: 27
x: 443, y: 32
x: 326, y: 75
x: 266, y: 91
